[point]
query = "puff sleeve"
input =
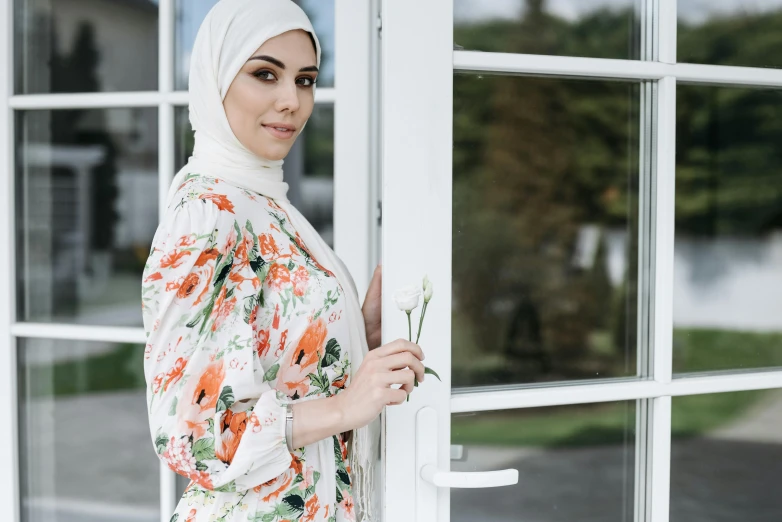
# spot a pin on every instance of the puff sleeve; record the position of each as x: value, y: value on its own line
x: 214, y: 415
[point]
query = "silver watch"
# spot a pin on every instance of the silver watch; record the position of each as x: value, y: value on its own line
x: 289, y: 426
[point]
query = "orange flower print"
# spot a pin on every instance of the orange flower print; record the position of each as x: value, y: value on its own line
x: 185, y: 241
x: 174, y: 258
x: 157, y: 382
x: 232, y: 428
x: 283, y: 338
x: 191, y: 517
x: 279, y: 276
x: 340, y: 382
x: 207, y: 255
x: 157, y: 276
x: 276, y: 319
x: 300, y: 279
x: 222, y: 309
x: 175, y: 373
x: 311, y: 508
x: 262, y: 342
x: 230, y: 242
x: 347, y: 504
x: 296, y: 464
x: 278, y: 484
x: 221, y: 200
x: 268, y: 246
x: 303, y: 360
x: 208, y: 387
x: 188, y: 286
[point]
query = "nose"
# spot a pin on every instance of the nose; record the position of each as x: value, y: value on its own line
x: 288, y: 98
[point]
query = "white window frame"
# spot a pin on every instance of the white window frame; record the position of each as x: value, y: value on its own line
x: 418, y: 66
x: 355, y: 169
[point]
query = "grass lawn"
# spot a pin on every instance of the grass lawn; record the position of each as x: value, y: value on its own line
x: 609, y: 423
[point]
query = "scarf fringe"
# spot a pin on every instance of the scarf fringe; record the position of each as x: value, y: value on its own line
x: 361, y: 459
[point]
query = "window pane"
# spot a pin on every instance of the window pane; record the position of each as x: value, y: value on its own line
x: 574, y: 462
x: 726, y: 451
x: 727, y: 310
x: 85, y: 46
x: 86, y: 452
x: 588, y: 28
x: 190, y: 14
x: 309, y: 166
x: 84, y: 213
x: 545, y: 220
x: 730, y: 32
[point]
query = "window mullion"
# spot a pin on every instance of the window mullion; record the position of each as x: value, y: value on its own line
x: 9, y: 440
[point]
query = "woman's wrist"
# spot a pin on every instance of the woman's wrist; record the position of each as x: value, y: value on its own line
x: 318, y: 419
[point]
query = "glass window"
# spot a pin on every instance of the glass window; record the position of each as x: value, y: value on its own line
x: 725, y: 453
x: 545, y: 221
x: 730, y: 32
x: 190, y: 14
x: 86, y: 452
x: 574, y: 462
x: 727, y: 306
x: 309, y: 166
x: 85, y: 46
x: 84, y: 216
x: 588, y: 28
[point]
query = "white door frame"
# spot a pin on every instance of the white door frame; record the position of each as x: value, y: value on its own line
x: 354, y: 202
x: 418, y: 67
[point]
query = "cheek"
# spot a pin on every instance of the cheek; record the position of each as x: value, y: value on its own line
x: 246, y: 103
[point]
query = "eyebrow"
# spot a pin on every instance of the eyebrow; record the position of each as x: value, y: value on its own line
x: 281, y: 65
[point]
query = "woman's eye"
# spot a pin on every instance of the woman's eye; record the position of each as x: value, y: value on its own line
x: 308, y: 81
x: 263, y: 74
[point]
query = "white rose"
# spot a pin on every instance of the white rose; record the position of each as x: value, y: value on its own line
x: 428, y: 289
x: 406, y: 298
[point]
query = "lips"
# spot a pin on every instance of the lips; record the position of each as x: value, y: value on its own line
x: 280, y: 130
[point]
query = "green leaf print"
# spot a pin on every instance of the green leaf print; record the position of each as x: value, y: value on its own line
x: 293, y: 505
x: 226, y: 399
x: 172, y: 409
x: 343, y: 477
x: 174, y: 518
x: 204, y: 449
x: 223, y: 271
x: 161, y: 442
x: 339, y: 496
x: 271, y: 373
x: 291, y: 265
x: 333, y: 352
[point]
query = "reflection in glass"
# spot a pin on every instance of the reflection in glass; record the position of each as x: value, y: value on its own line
x: 84, y: 213
x: 309, y: 166
x: 85, y: 46
x: 545, y: 209
x: 727, y: 310
x: 725, y: 457
x: 190, y: 14
x: 730, y: 32
x: 574, y: 462
x: 588, y: 28
x: 85, y: 449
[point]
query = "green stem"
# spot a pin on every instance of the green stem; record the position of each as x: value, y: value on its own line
x: 421, y: 322
x: 409, y: 327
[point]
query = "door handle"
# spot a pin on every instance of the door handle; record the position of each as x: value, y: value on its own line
x: 469, y: 479
x: 429, y: 478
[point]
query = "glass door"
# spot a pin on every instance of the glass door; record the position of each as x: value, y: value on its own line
x: 94, y: 122
x: 606, y: 316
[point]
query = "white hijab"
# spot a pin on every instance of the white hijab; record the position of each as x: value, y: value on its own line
x: 230, y: 33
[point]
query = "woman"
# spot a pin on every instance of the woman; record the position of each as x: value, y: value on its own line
x: 249, y: 315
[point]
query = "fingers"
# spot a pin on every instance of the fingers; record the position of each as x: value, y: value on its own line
x: 400, y: 345
x: 398, y: 361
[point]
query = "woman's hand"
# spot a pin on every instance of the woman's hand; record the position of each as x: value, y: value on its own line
x: 371, y: 309
x: 370, y: 388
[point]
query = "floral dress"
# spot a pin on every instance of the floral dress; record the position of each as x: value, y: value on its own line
x: 240, y: 319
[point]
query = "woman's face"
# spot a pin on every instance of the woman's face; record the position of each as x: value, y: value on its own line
x: 272, y: 95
